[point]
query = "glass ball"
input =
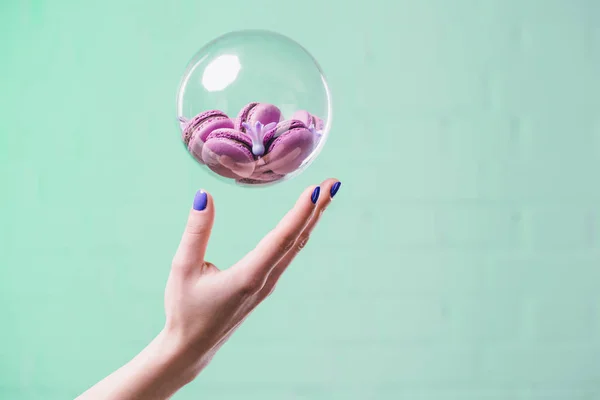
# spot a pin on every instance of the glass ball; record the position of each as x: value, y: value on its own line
x: 254, y: 107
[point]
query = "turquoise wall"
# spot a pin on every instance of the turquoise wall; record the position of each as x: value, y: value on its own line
x: 461, y: 259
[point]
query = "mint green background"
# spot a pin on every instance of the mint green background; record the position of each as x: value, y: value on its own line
x: 461, y: 259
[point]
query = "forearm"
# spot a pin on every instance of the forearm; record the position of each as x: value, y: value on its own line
x: 156, y: 373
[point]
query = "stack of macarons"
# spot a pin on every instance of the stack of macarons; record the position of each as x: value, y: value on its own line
x: 258, y: 146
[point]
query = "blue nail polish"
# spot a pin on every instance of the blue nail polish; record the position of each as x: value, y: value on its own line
x: 334, y: 189
x: 315, y: 194
x: 200, y: 200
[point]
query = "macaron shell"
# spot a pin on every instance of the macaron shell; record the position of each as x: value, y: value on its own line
x: 192, y: 124
x: 265, y: 114
x: 207, y: 127
x: 262, y: 112
x: 196, y: 142
x: 243, y: 115
x: 232, y: 134
x: 302, y: 115
x: 308, y: 119
x: 227, y: 159
x: 281, y: 128
x: 270, y: 136
x: 227, y: 156
x: 288, y: 151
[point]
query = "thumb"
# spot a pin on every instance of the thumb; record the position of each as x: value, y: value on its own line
x: 192, y: 248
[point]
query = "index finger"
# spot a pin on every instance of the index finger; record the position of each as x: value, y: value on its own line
x: 280, y: 240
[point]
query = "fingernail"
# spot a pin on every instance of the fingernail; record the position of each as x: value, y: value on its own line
x: 200, y: 200
x: 315, y: 194
x: 334, y: 189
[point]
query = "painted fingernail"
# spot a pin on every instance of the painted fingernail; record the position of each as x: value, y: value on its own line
x: 200, y: 200
x: 334, y: 189
x: 315, y: 194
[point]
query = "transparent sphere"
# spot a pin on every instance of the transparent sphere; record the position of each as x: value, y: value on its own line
x: 254, y: 107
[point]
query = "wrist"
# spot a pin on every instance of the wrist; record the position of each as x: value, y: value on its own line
x: 156, y: 373
x: 176, y: 357
x: 168, y: 359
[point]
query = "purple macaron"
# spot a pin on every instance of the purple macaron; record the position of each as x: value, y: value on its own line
x: 290, y: 144
x: 257, y: 112
x: 228, y: 152
x: 311, y: 121
x: 256, y: 120
x: 199, y: 127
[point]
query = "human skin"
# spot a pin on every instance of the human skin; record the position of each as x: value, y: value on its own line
x: 205, y: 305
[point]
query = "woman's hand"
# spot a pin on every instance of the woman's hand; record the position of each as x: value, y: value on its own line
x: 205, y: 305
